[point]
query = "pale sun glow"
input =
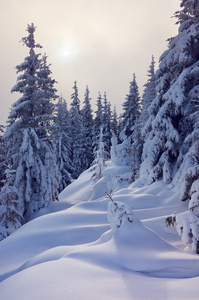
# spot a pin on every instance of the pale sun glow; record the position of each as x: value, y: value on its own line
x: 68, y: 49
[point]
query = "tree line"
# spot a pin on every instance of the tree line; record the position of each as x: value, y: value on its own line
x: 47, y: 145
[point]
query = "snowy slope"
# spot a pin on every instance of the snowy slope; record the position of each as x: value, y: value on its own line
x: 69, y: 250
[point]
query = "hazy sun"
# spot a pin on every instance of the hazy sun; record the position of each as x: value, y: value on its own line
x: 66, y: 53
x: 68, y: 49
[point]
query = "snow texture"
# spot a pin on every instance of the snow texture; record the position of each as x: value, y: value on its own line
x: 69, y: 251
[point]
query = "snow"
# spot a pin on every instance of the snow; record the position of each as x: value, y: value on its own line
x: 71, y: 251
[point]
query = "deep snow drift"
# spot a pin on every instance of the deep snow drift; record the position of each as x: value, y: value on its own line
x: 73, y: 251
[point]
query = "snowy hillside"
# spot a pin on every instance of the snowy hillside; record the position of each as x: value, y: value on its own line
x: 71, y: 251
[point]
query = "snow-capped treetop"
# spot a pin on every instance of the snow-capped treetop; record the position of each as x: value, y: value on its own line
x: 87, y: 121
x: 28, y: 136
x: 29, y: 41
x: 189, y: 12
x: 114, y: 122
x: 98, y: 121
x: 149, y: 93
x: 167, y: 148
x: 75, y: 102
x: 86, y: 111
x: 131, y: 108
x: 63, y: 144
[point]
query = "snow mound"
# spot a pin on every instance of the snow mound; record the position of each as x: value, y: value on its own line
x: 119, y: 214
x: 71, y: 251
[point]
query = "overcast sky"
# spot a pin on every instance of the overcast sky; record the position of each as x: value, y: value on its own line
x: 99, y: 43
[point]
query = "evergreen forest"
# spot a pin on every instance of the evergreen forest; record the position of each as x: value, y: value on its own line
x: 47, y: 143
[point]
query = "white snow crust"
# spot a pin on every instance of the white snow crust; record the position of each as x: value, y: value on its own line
x: 71, y: 251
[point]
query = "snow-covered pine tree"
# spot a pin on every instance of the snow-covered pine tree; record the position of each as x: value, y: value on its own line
x: 137, y: 145
x: 149, y: 93
x: 148, y: 114
x: 63, y: 144
x: 2, y: 155
x: 114, y: 123
x: 10, y: 218
x: 172, y: 147
x: 77, y: 134
x: 87, y: 120
x: 44, y: 106
x: 106, y: 119
x: 131, y: 109
x: 101, y: 157
x: 132, y: 126
x: 98, y: 120
x: 28, y: 139
x: 121, y: 153
x: 177, y: 81
x: 188, y: 161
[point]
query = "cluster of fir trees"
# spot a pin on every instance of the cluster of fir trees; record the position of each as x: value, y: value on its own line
x: 163, y: 134
x: 45, y: 145
x: 157, y: 135
x: 171, y: 134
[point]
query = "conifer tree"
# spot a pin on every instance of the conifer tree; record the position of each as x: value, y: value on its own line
x: 106, y: 117
x: 98, y: 121
x: 131, y: 126
x: 149, y: 93
x: 87, y: 120
x: 2, y: 155
x: 171, y: 149
x: 177, y: 78
x: 10, y: 218
x: 131, y: 109
x: 101, y: 157
x: 137, y: 145
x: 114, y: 123
x: 63, y: 144
x: 77, y: 134
x: 28, y: 136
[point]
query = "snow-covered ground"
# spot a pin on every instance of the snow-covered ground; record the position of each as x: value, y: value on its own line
x: 71, y: 251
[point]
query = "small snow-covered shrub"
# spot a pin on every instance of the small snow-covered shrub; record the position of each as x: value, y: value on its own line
x: 119, y: 214
x: 170, y: 221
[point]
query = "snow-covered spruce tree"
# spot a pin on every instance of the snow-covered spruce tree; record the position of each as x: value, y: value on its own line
x: 121, y: 156
x: 101, y: 157
x: 137, y: 146
x: 63, y: 144
x: 121, y: 153
x: 132, y: 126
x: 10, y: 218
x: 87, y: 120
x: 131, y: 109
x: 98, y: 121
x: 171, y: 149
x: 28, y: 136
x: 2, y: 155
x: 77, y: 135
x: 114, y: 123
x: 188, y: 160
x: 106, y: 119
x: 149, y: 93
x: 166, y: 145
